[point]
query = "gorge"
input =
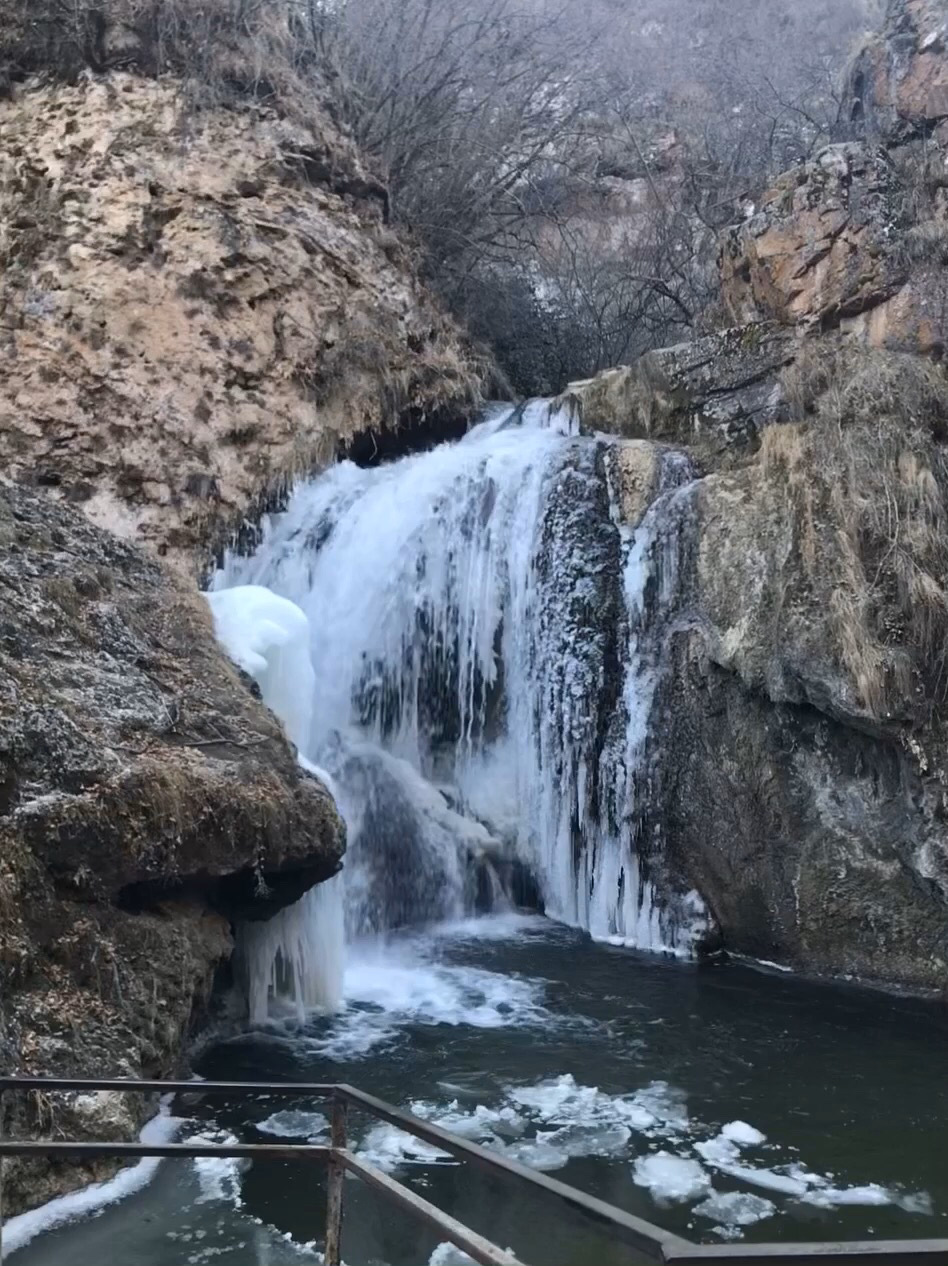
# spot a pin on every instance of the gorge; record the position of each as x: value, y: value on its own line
x: 571, y: 771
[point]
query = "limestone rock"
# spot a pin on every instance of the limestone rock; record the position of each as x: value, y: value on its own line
x: 147, y: 798
x: 637, y: 466
x: 714, y: 393
x: 196, y: 305
x: 822, y: 246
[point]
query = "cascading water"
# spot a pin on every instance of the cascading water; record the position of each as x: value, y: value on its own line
x: 486, y: 639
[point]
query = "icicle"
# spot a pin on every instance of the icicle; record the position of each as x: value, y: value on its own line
x: 298, y: 954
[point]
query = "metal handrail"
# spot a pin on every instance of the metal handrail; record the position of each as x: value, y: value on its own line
x: 655, y: 1243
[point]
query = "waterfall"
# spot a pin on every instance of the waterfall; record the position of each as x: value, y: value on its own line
x: 485, y: 642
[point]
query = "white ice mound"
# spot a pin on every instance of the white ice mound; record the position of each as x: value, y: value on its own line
x: 269, y: 638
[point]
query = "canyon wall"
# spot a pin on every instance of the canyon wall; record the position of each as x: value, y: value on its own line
x: 799, y: 761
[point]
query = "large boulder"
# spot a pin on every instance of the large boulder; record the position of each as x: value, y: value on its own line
x: 148, y: 800
x: 715, y: 393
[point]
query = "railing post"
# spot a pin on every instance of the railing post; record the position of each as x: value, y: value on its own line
x: 337, y: 1175
x: 1, y: 1179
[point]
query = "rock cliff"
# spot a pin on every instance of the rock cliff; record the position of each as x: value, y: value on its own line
x: 200, y: 299
x: 197, y: 305
x: 857, y: 239
x: 799, y: 764
x: 147, y: 800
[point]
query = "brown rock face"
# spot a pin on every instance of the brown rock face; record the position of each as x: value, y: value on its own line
x: 196, y: 305
x: 898, y: 85
x: 857, y: 239
x: 147, y: 799
x: 822, y: 245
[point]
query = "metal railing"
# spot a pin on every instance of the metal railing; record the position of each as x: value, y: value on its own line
x: 647, y: 1239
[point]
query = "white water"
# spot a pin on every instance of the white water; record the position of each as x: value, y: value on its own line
x: 485, y: 642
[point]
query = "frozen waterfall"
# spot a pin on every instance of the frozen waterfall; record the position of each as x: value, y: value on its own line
x: 298, y: 954
x: 485, y: 642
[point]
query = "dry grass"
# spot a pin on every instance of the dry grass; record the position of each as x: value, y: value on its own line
x: 265, y: 49
x: 867, y: 467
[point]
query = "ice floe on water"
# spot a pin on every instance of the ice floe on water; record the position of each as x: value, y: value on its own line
x: 219, y: 1176
x: 657, y: 1107
x: 723, y: 1154
x: 733, y: 1210
x: 448, y: 1255
x: 388, y: 1148
x: 292, y: 1123
x: 742, y: 1134
x: 678, y: 1160
x: 671, y: 1179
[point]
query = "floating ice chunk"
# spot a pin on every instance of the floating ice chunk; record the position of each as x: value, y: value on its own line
x: 870, y: 1195
x: 294, y: 1124
x: 734, y: 1209
x: 787, y: 1184
x: 536, y: 1153
x: 718, y: 1151
x: 480, y: 1124
x: 589, y: 1140
x: 448, y: 1255
x: 742, y: 1134
x: 560, y: 1101
x: 722, y: 1154
x: 388, y: 1148
x: 671, y: 1179
x: 219, y: 1176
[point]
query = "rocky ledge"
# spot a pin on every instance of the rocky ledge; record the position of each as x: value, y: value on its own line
x: 147, y: 800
